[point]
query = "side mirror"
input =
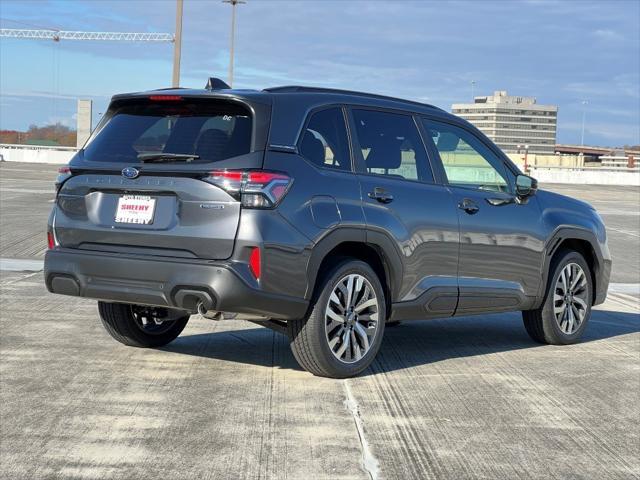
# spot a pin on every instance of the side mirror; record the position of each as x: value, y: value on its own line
x: 526, y: 186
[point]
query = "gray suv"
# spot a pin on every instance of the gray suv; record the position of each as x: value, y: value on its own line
x: 322, y: 214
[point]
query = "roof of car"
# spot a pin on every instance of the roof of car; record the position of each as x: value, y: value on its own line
x: 312, y: 95
x: 356, y: 95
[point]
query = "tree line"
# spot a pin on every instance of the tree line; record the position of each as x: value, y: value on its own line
x: 52, y: 134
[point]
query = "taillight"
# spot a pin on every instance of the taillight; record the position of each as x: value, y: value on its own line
x: 254, y: 262
x: 254, y: 188
x: 64, y: 173
x: 51, y: 241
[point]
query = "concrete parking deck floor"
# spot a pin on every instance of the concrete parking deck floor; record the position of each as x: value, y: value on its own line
x: 460, y: 398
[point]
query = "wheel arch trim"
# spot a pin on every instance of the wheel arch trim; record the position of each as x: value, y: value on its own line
x: 384, y: 246
x: 556, y: 239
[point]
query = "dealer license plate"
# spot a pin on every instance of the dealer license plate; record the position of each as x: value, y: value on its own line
x: 136, y: 209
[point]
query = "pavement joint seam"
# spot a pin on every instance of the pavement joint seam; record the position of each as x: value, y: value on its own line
x: 369, y: 462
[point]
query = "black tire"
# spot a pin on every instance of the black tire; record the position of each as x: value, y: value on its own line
x: 120, y: 321
x: 541, y: 324
x: 309, y: 337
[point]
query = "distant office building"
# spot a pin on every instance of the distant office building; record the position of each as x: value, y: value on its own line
x: 513, y: 122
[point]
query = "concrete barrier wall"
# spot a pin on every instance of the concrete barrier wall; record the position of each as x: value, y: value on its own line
x: 30, y: 154
x: 586, y: 176
x: 534, y: 160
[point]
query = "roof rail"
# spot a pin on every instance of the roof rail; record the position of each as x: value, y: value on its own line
x: 303, y: 89
x: 216, y: 84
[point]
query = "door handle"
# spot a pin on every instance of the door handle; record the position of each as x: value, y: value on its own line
x: 381, y: 195
x: 468, y: 206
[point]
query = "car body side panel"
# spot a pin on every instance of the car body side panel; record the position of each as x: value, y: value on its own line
x: 503, y: 242
x: 423, y: 222
x: 320, y: 201
x: 564, y: 218
x: 284, y: 251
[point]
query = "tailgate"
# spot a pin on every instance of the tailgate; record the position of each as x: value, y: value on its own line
x: 180, y: 216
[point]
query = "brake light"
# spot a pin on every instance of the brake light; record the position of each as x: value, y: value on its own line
x: 165, y: 98
x: 254, y: 262
x: 64, y: 173
x: 51, y: 241
x: 254, y: 188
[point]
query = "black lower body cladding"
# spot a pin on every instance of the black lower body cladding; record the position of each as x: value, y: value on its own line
x: 179, y: 284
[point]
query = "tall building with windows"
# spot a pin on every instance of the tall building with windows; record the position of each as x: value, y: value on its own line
x: 513, y: 122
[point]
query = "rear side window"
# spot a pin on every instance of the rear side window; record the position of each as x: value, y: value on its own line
x: 324, y: 141
x: 391, y: 145
x: 211, y: 130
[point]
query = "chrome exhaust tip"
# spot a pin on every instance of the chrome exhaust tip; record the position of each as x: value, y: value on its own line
x: 209, y: 314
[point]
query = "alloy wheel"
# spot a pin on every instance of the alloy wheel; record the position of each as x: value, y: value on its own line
x: 351, y: 318
x: 149, y: 320
x: 570, y: 298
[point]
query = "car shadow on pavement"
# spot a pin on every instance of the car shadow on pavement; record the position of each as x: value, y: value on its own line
x: 409, y: 344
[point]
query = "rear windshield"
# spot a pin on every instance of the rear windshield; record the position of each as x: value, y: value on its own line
x: 209, y: 130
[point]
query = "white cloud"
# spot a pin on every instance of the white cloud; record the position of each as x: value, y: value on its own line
x: 20, y: 96
x: 615, y: 132
x: 607, y: 34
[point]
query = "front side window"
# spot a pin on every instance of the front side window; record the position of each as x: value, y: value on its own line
x: 466, y: 160
x: 209, y: 130
x: 391, y: 145
x: 325, y: 142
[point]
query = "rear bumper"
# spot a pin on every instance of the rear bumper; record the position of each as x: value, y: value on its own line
x: 164, y: 282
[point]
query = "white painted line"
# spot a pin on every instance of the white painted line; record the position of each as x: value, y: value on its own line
x: 369, y: 462
x: 26, y: 190
x: 604, y: 213
x: 21, y: 265
x: 626, y: 232
x: 632, y: 288
x: 22, y: 179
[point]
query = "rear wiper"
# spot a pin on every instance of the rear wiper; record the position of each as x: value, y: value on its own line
x: 167, y: 157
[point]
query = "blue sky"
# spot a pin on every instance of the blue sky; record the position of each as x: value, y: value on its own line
x: 560, y: 51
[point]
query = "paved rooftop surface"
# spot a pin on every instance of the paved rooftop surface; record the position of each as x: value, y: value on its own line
x: 469, y: 397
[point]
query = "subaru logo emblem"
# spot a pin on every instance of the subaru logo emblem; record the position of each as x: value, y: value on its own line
x: 130, y: 172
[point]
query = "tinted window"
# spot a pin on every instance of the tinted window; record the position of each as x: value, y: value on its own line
x: 212, y: 130
x: 467, y: 161
x: 325, y: 142
x: 391, y: 145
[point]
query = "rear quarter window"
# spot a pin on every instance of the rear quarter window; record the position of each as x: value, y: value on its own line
x: 324, y: 142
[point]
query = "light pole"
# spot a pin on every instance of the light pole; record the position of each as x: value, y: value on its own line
x: 524, y: 159
x: 584, y: 114
x: 473, y: 91
x: 177, y: 45
x: 233, y: 35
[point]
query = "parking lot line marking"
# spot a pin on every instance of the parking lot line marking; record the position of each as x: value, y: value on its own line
x: 26, y: 190
x: 632, y: 288
x: 21, y: 265
x: 626, y: 232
